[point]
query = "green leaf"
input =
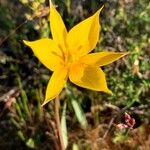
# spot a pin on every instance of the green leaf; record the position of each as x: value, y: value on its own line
x: 30, y: 143
x: 77, y: 108
x: 75, y: 146
x: 64, y: 125
x: 79, y: 113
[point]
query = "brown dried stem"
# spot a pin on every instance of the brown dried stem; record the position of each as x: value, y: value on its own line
x: 57, y: 119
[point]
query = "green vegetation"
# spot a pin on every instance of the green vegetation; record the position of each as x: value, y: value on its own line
x: 89, y: 119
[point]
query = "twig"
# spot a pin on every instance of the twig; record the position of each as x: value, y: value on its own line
x: 57, y: 118
x: 109, y: 126
x: 109, y: 105
x: 9, y: 98
x: 13, y: 31
x: 14, y: 92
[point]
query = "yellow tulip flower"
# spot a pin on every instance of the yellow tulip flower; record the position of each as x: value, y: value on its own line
x: 67, y: 55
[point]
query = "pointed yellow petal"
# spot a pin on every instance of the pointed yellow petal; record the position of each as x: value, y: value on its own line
x: 88, y: 77
x: 84, y: 36
x: 56, y: 84
x: 47, y: 52
x: 102, y: 58
x: 58, y: 29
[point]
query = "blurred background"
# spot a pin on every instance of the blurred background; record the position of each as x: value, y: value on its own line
x: 89, y: 119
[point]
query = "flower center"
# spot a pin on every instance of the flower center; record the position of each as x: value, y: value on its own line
x: 68, y: 58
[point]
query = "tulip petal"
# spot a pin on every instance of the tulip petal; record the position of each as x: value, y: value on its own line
x: 89, y: 77
x: 102, y: 58
x: 58, y: 29
x: 84, y: 36
x: 56, y: 84
x: 47, y: 51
